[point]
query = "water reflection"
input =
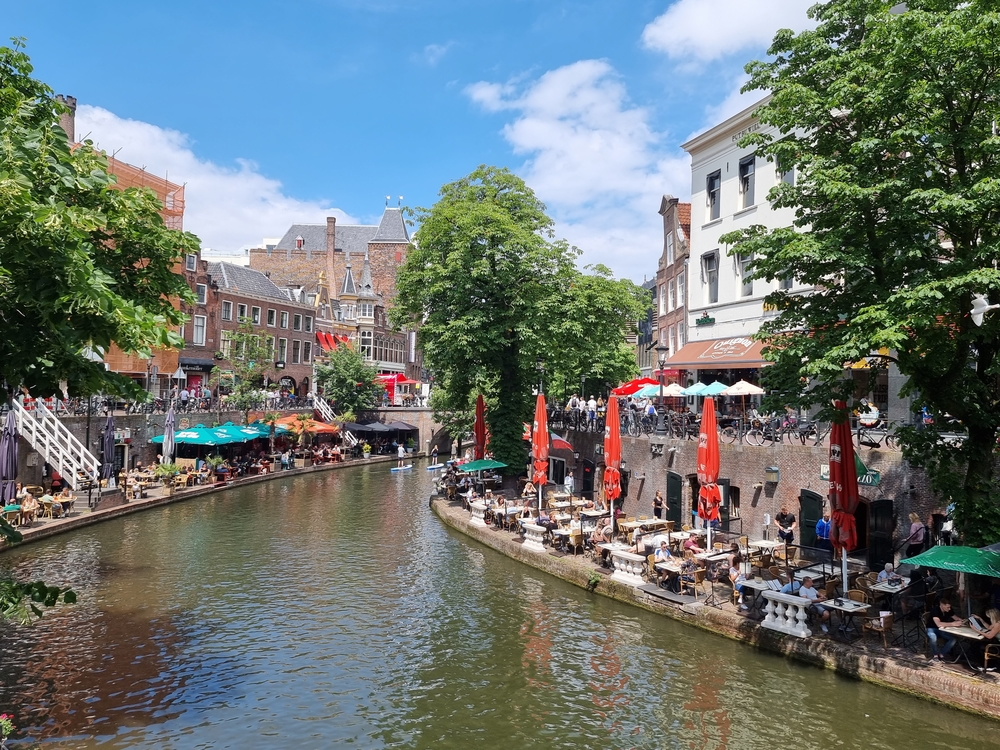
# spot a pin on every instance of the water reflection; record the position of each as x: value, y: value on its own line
x: 335, y: 609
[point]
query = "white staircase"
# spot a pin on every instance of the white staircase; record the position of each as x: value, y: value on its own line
x: 323, y: 408
x: 58, y: 446
x: 348, y: 436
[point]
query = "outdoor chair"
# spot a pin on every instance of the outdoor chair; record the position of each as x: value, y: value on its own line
x: 857, y: 595
x: 652, y: 574
x: 881, y: 625
x: 775, y: 571
x: 698, y: 584
x: 831, y: 588
x: 991, y: 654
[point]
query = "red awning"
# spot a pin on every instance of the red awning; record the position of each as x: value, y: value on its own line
x: 719, y: 354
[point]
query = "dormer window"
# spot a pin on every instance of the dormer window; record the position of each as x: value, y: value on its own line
x: 299, y: 242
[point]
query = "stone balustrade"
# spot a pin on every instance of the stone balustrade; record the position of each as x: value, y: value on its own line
x: 478, y: 513
x: 628, y: 567
x: 534, y: 537
x: 786, y: 613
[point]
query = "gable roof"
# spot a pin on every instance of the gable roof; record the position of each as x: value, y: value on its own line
x: 243, y: 279
x: 365, y: 283
x: 684, y: 218
x: 348, y: 288
x: 391, y: 228
x: 352, y: 238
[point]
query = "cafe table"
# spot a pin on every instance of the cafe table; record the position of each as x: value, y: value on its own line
x: 759, y: 586
x: 965, y: 635
x: 885, y: 587
x: 767, y: 545
x: 672, y: 568
x: 847, y: 609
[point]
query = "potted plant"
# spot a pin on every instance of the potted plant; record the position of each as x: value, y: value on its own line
x: 214, y: 462
x: 166, y: 474
x: 366, y: 450
x: 6, y: 728
x: 410, y: 445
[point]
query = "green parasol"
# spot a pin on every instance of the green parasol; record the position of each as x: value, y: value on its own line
x: 980, y: 562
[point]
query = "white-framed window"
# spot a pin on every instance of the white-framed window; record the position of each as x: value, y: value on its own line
x: 744, y: 266
x: 272, y: 317
x: 307, y: 352
x: 713, y: 189
x: 786, y: 175
x: 670, y: 340
x: 198, y: 330
x: 296, y: 352
x: 671, y: 292
x: 308, y: 325
x: 367, y: 309
x: 680, y: 334
x: 681, y: 292
x: 663, y: 299
x: 201, y: 292
x: 747, y: 166
x: 227, y: 310
x: 297, y: 322
x: 225, y: 343
x: 348, y: 312
x: 191, y: 263
x: 710, y: 271
x: 284, y: 320
x: 366, y: 344
x: 670, y: 247
x: 785, y: 282
x: 282, y: 349
x: 269, y: 342
x: 241, y: 312
x: 255, y: 315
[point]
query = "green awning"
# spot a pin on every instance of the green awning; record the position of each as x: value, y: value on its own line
x: 978, y: 562
x: 482, y: 465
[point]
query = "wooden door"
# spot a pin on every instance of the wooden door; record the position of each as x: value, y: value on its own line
x: 880, y: 528
x: 675, y: 484
x: 810, y: 511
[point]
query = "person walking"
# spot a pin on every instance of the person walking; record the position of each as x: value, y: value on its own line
x: 915, y: 541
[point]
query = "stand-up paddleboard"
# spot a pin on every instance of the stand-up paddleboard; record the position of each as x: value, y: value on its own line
x: 432, y: 467
x: 401, y: 468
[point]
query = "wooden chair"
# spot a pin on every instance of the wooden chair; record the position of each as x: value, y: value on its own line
x: 47, y: 510
x: 685, y: 527
x: 872, y: 576
x: 652, y: 574
x: 882, y: 625
x: 991, y: 653
x: 575, y: 540
x: 775, y: 571
x: 830, y: 589
x: 696, y: 585
x: 857, y: 595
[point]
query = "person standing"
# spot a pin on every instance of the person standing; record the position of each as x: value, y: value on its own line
x: 786, y: 525
x: 592, y: 410
x: 400, y: 456
x: 185, y: 397
x: 915, y: 540
x: 823, y: 532
x: 568, y: 483
x: 658, y: 505
x: 434, y: 454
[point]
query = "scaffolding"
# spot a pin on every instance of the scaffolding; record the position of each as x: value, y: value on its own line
x: 171, y: 196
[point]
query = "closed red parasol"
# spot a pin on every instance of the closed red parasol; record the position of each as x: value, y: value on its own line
x: 844, y: 495
x: 479, y: 429
x: 540, y: 447
x: 612, y: 454
x: 709, y: 496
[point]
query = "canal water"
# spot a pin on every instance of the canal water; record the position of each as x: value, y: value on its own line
x: 335, y: 609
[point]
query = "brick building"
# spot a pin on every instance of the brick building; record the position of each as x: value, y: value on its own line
x: 671, y: 281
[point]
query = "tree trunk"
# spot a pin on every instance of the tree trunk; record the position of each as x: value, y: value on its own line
x: 979, y: 514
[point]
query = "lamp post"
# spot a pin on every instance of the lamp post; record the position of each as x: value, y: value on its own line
x: 661, y: 425
x: 540, y: 366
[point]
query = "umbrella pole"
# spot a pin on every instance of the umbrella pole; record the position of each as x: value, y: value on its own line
x: 843, y: 568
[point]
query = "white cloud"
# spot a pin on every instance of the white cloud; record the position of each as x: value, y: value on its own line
x: 593, y: 158
x: 433, y: 53
x: 702, y: 31
x: 228, y: 207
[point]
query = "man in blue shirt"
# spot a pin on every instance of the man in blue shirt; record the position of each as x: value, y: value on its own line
x: 823, y: 531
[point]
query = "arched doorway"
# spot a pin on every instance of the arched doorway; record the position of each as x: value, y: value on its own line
x: 810, y: 511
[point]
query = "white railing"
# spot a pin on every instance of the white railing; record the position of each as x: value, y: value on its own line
x: 628, y: 567
x: 348, y: 436
x: 478, y: 513
x: 323, y: 408
x: 534, y: 537
x: 59, y: 447
x: 786, y: 613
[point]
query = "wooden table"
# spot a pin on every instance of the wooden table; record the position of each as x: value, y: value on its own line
x: 847, y: 608
x: 967, y: 634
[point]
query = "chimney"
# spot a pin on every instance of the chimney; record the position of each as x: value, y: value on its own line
x: 331, y: 246
x: 67, y: 120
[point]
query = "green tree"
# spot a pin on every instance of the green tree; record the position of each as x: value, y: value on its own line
x: 82, y: 265
x: 250, y: 357
x: 348, y: 382
x: 889, y: 119
x: 491, y: 292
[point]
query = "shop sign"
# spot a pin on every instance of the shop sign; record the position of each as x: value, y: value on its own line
x: 727, y: 348
x: 866, y: 477
x: 704, y: 321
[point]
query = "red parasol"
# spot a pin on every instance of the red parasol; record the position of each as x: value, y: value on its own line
x: 612, y: 453
x: 844, y: 496
x: 540, y: 447
x: 479, y: 429
x: 709, y: 496
x: 627, y: 389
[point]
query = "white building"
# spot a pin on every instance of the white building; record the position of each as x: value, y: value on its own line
x: 729, y: 188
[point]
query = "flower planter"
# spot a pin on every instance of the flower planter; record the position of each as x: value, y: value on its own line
x: 367, y: 455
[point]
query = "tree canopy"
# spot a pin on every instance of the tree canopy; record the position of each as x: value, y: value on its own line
x: 492, y: 293
x: 250, y: 357
x: 348, y: 382
x: 82, y: 265
x: 888, y: 114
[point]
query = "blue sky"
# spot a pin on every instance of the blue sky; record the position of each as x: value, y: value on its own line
x: 275, y: 112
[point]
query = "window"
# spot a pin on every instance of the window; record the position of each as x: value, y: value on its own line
x: 307, y: 352
x: 297, y: 322
x: 713, y: 187
x: 349, y: 312
x: 241, y: 312
x: 282, y: 349
x: 670, y: 248
x: 663, y: 299
x: 227, y: 310
x: 201, y: 292
x: 296, y: 352
x: 681, y: 294
x: 269, y: 343
x: 671, y: 292
x: 367, y: 309
x: 786, y: 175
x: 272, y: 317
x: 198, y: 332
x: 225, y: 343
x: 309, y: 324
x: 680, y: 334
x: 710, y: 269
x: 191, y: 263
x: 785, y: 282
x: 744, y: 265
x: 366, y: 344
x: 746, y: 180
x: 284, y: 321
x: 255, y: 315
x: 670, y: 340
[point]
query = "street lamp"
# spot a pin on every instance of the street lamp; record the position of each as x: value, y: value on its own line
x: 540, y: 366
x: 661, y: 425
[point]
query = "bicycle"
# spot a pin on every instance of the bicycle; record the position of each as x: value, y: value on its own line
x: 875, y: 434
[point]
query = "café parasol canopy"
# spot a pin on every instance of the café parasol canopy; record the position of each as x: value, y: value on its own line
x: 844, y: 495
x: 709, y: 497
x: 540, y: 447
x: 743, y: 388
x: 479, y: 429
x: 693, y: 390
x: 612, y: 458
x: 629, y: 388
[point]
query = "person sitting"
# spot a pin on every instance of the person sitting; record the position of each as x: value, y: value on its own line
x: 66, y: 500
x: 546, y: 521
x: 529, y: 490
x: 602, y: 534
x: 807, y: 591
x: 47, y: 499
x: 29, y: 509
x: 738, y: 578
x: 691, y: 545
x: 735, y: 557
x: 662, y: 555
x: 993, y: 631
x: 792, y: 587
x: 638, y: 542
x: 941, y: 618
x: 688, y: 567
x: 888, y: 574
